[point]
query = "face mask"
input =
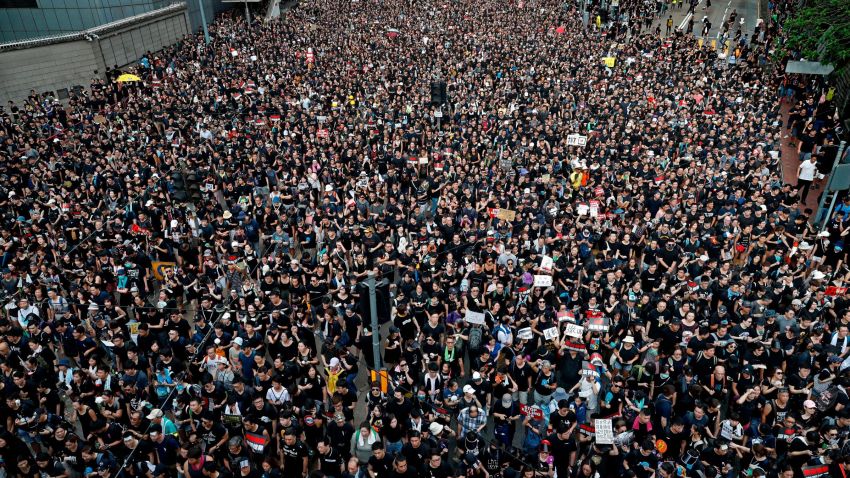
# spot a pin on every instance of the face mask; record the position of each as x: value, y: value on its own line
x: 665, y: 376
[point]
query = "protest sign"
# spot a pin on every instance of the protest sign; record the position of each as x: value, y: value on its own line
x: 604, y: 431
x: 551, y: 333
x: 542, y: 281
x: 576, y: 140
x: 506, y: 214
x: 574, y: 330
x: 474, y: 317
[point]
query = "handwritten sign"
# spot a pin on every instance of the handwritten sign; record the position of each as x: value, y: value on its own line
x: 610, y: 61
x: 532, y: 411
x: 525, y: 333
x: 834, y: 291
x: 604, y: 431
x: 551, y: 333
x: 542, y: 281
x: 574, y: 330
x: 474, y: 317
x: 506, y: 214
x: 576, y: 140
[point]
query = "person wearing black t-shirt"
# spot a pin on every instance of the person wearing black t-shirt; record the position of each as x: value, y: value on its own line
x: 329, y: 459
x: 402, y: 469
x: 294, y: 455
x: 437, y: 468
x: 380, y: 464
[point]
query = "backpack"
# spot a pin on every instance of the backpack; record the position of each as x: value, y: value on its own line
x: 474, y: 338
x: 827, y: 398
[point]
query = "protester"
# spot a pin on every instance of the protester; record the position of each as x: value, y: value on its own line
x: 184, y: 257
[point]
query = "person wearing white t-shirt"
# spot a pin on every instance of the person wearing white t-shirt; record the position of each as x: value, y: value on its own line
x: 805, y: 176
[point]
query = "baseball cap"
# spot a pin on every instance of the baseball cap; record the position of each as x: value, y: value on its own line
x: 155, y: 413
x: 809, y: 404
x: 468, y: 389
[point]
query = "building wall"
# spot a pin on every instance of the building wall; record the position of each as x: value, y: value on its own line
x: 61, y: 65
x: 54, y: 17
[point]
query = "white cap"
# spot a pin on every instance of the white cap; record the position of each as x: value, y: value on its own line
x: 703, y: 258
x: 823, y: 234
x: 476, y: 376
x: 468, y: 389
x: 174, y: 223
x: 334, y: 362
x: 818, y: 275
x: 629, y: 340
x: 435, y: 428
x: 238, y: 341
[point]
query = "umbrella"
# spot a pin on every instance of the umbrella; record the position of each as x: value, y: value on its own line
x: 127, y: 77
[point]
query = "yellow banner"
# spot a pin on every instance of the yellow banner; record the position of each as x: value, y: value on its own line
x: 159, y: 268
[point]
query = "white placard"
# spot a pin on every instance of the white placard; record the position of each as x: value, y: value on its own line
x: 474, y: 317
x: 574, y: 330
x: 546, y: 264
x: 576, y: 140
x: 551, y: 333
x: 438, y: 114
x: 525, y: 334
x: 542, y: 281
x: 582, y: 209
x: 604, y: 431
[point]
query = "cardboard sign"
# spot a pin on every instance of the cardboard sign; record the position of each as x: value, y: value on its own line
x: 506, y: 214
x: 576, y: 140
x: 546, y: 264
x: 542, y: 281
x: 834, y: 291
x: 551, y: 333
x: 99, y: 119
x: 574, y: 330
x: 474, y: 317
x: 598, y: 324
x: 158, y: 268
x: 604, y: 431
x: 534, y: 412
x: 525, y: 333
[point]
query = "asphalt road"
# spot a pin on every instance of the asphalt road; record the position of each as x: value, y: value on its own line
x: 717, y: 14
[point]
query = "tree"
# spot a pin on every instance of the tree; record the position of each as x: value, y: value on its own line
x: 821, y: 31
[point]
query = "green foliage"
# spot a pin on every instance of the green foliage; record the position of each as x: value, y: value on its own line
x: 821, y: 31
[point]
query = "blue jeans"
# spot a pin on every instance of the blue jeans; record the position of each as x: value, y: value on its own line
x: 393, y: 447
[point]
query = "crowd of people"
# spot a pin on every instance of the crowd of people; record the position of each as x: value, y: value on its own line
x: 589, y: 264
